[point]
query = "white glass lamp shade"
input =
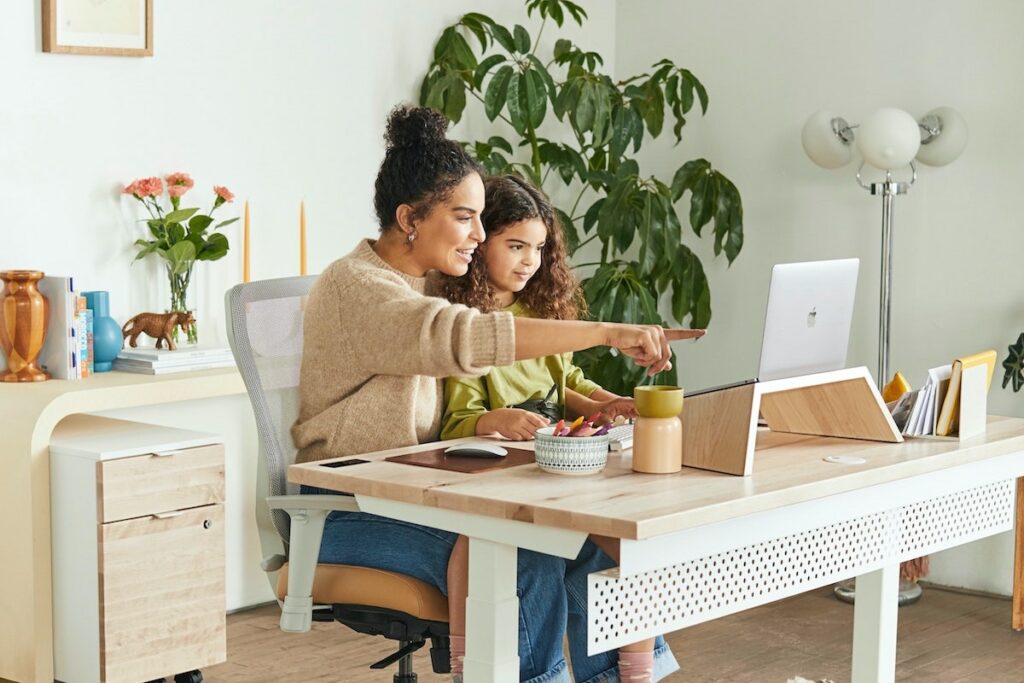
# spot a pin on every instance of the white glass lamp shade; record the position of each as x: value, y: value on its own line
x: 889, y: 139
x: 950, y: 140
x: 822, y: 143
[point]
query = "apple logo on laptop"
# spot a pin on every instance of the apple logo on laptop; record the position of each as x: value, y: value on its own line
x: 812, y: 317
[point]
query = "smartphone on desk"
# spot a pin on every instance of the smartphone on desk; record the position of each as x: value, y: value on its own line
x: 344, y: 463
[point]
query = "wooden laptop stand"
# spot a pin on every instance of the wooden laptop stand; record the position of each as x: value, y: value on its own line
x: 720, y: 428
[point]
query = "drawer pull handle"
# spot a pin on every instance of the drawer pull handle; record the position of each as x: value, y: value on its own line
x: 167, y: 515
x: 164, y: 454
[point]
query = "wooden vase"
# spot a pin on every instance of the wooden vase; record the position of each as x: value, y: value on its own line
x: 24, y: 315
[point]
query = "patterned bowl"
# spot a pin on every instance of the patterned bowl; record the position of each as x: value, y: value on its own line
x: 570, y: 454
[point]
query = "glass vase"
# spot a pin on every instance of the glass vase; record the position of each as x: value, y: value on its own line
x: 181, y: 303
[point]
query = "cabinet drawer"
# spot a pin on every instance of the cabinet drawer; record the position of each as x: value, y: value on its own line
x: 148, y: 484
x: 162, y: 594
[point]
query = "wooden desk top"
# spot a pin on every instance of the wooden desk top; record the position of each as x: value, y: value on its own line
x: 618, y: 502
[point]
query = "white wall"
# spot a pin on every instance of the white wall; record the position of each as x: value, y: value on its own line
x: 278, y: 100
x: 767, y: 67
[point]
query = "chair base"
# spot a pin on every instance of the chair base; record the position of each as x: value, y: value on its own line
x: 409, y: 631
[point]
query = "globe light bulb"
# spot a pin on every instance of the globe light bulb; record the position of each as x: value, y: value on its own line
x: 823, y: 142
x: 889, y: 139
x: 944, y: 136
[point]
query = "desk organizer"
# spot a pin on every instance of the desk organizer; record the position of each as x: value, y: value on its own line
x: 137, y: 516
x: 720, y: 428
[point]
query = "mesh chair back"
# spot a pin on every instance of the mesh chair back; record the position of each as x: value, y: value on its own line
x: 265, y: 333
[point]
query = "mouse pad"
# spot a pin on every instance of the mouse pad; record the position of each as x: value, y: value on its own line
x: 461, y: 463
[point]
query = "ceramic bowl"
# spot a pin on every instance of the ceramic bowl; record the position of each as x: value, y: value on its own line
x: 570, y: 454
x: 658, y: 401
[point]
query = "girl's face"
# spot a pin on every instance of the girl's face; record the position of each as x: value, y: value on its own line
x: 447, y: 237
x: 513, y: 256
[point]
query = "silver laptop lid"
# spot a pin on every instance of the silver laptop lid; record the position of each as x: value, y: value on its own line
x: 807, y: 325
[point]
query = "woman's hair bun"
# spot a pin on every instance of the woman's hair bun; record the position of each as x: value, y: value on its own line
x: 414, y: 127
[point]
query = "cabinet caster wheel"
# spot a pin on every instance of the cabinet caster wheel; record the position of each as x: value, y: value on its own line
x: 194, y: 676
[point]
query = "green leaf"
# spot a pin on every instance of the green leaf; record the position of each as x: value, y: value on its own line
x: 476, y: 22
x: 497, y: 92
x: 199, y: 223
x: 522, y: 39
x: 227, y: 222
x: 621, y: 132
x: 1013, y: 366
x: 442, y: 44
x: 504, y: 38
x: 216, y: 247
x: 181, y: 256
x: 562, y: 47
x: 500, y: 143
x: 572, y: 240
x: 455, y: 98
x: 590, y: 218
x: 686, y: 175
x: 484, y: 67
x: 175, y: 233
x: 156, y: 228
x: 583, y: 115
x: 536, y: 97
x: 540, y: 70
x: 179, y: 216
x: 461, y: 53
x: 702, y: 202
x: 690, y: 293
x: 516, y: 103
x: 614, y: 210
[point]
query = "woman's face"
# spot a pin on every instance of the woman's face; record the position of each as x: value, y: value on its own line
x: 447, y: 237
x: 513, y: 256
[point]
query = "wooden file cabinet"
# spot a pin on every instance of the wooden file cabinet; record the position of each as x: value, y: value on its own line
x: 138, y: 551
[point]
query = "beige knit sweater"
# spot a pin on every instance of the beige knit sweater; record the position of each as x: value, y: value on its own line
x: 376, y: 349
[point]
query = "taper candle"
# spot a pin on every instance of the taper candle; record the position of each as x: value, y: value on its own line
x: 302, y: 238
x: 245, y: 245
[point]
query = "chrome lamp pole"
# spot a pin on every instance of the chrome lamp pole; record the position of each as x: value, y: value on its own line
x: 889, y: 139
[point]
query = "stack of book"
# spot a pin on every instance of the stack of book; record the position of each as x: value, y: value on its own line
x: 153, y: 361
x: 67, y: 353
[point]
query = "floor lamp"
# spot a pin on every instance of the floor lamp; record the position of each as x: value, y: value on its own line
x: 889, y: 140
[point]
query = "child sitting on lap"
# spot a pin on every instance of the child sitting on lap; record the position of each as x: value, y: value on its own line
x: 523, y: 267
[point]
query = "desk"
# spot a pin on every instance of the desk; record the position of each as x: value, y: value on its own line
x: 31, y: 411
x: 698, y: 545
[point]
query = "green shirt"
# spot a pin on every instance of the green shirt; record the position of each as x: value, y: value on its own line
x: 468, y: 398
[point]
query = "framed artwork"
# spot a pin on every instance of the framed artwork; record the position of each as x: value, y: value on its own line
x: 98, y: 27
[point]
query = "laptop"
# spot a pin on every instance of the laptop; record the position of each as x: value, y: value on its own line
x: 806, y: 325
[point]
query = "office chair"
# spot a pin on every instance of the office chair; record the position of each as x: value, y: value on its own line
x: 265, y: 334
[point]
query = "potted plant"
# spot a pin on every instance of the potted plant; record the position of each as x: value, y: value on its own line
x: 643, y: 258
x: 180, y: 236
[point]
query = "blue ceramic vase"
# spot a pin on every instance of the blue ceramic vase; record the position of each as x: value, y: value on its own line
x: 106, y: 333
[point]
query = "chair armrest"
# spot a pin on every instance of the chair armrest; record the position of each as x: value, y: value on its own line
x: 312, y: 502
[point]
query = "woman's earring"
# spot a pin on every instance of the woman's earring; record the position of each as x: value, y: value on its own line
x: 411, y: 236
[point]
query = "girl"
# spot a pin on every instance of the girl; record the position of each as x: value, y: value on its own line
x: 522, y: 268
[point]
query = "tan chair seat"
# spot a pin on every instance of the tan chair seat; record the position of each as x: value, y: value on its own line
x: 345, y: 584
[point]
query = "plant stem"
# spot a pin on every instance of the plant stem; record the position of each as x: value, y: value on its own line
x: 586, y: 241
x: 500, y: 115
x: 536, y: 43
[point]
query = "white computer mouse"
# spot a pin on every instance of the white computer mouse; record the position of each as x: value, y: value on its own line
x: 477, y: 449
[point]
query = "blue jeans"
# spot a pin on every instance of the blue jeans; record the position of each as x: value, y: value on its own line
x: 552, y: 591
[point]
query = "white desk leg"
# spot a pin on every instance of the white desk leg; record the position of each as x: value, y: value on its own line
x: 492, y: 614
x: 874, y: 626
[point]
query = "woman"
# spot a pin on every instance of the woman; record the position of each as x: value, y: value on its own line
x: 375, y: 350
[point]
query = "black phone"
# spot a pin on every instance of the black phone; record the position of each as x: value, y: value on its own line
x: 344, y: 463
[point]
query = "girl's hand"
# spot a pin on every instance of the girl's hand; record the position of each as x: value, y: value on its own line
x: 613, y: 407
x: 512, y: 423
x: 647, y: 345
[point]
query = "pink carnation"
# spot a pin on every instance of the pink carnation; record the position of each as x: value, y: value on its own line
x: 144, y: 187
x: 181, y: 180
x: 224, y: 193
x: 176, y: 190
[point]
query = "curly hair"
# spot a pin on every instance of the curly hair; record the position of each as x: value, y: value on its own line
x: 553, y: 292
x: 421, y: 166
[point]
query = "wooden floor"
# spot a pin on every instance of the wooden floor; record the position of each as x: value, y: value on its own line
x: 946, y: 637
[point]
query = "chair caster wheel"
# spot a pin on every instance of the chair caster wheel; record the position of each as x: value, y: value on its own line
x: 194, y: 676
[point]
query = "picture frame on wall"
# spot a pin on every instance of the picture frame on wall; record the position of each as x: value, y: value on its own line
x: 98, y: 27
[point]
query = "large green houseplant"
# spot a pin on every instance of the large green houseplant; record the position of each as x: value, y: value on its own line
x: 603, y: 124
